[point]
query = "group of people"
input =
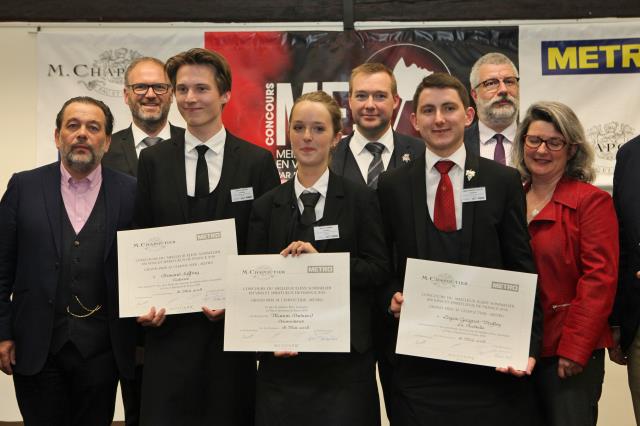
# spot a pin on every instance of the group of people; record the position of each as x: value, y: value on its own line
x: 391, y: 196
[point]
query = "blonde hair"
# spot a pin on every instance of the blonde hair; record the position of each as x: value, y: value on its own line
x: 565, y: 121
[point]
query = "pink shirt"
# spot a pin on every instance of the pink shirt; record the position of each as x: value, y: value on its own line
x: 79, y: 196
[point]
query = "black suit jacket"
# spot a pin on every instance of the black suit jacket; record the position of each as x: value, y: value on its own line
x: 161, y: 199
x: 494, y: 232
x: 30, y: 260
x: 405, y: 149
x: 626, y: 312
x: 354, y: 208
x: 122, y: 154
x: 472, y: 139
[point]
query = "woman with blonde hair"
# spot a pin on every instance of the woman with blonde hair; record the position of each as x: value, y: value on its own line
x: 574, y: 237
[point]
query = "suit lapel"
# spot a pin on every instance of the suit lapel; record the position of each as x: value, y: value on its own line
x: 129, y: 150
x: 179, y: 174
x: 230, y: 165
x: 417, y: 177
x: 53, y: 202
x: 111, y: 193
x: 402, y: 152
x: 283, y: 217
x: 472, y: 164
x: 333, y: 207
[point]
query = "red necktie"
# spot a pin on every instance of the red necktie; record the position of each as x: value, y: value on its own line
x: 444, y: 212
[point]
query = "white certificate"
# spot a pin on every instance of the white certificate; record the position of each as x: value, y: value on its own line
x: 466, y: 314
x: 180, y: 268
x: 277, y: 303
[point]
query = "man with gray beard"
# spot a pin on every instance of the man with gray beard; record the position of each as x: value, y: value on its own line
x: 496, y: 92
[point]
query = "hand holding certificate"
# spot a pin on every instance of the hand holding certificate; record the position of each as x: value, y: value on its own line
x: 466, y: 314
x: 180, y: 268
x: 294, y: 303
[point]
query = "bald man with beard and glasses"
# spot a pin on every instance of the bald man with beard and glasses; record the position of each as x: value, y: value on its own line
x: 148, y: 93
x: 496, y: 91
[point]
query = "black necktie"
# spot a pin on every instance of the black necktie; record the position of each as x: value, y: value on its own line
x: 309, y: 201
x: 375, y: 167
x: 149, y: 141
x: 202, y: 173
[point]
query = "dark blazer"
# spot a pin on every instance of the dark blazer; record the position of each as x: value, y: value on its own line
x: 122, y: 154
x: 343, y: 163
x: 162, y: 186
x: 471, y: 139
x: 30, y: 255
x: 494, y: 232
x: 354, y: 208
x: 626, y: 311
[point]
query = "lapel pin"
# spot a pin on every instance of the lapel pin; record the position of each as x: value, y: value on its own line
x: 470, y: 174
x: 406, y: 157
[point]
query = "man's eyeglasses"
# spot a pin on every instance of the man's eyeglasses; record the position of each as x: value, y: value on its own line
x: 553, y: 144
x: 142, y: 89
x: 492, y: 84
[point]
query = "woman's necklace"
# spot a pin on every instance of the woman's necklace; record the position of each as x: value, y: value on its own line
x: 538, y: 207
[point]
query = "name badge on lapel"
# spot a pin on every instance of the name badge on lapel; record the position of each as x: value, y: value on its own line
x: 242, y: 194
x: 328, y: 232
x: 470, y: 195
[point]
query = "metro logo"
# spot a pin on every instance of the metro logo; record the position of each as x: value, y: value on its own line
x: 610, y: 56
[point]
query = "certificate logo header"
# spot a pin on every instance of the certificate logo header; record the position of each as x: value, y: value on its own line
x: 209, y: 236
x: 153, y: 244
x: 608, y: 56
x: 496, y: 285
x: 444, y: 281
x: 263, y: 272
x: 320, y: 269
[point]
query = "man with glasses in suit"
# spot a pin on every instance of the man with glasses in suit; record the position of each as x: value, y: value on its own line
x: 148, y: 94
x: 496, y: 91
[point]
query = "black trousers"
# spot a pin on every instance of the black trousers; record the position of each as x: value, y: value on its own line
x: 69, y: 390
x: 572, y: 401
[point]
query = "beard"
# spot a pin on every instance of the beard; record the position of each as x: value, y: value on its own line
x: 82, y: 163
x: 495, y: 115
x: 150, y: 119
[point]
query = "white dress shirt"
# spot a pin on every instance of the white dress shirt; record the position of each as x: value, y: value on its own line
x: 363, y: 156
x: 488, y: 142
x: 456, y: 174
x: 320, y: 186
x: 139, y: 134
x: 214, y: 157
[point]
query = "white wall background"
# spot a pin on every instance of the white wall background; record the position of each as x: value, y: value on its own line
x: 18, y: 94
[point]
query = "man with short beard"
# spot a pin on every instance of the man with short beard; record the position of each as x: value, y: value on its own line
x: 148, y: 94
x: 60, y: 333
x: 496, y: 92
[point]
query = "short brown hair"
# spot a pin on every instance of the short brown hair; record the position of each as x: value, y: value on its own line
x: 369, y: 68
x: 328, y: 101
x: 198, y: 56
x: 440, y: 80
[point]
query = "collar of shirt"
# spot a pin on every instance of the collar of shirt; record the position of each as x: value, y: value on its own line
x: 321, y: 186
x: 487, y: 134
x: 88, y: 183
x: 139, y: 134
x: 215, y: 142
x: 359, y: 142
x: 459, y: 157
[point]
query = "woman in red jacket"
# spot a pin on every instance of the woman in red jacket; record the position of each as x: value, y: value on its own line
x: 574, y: 237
